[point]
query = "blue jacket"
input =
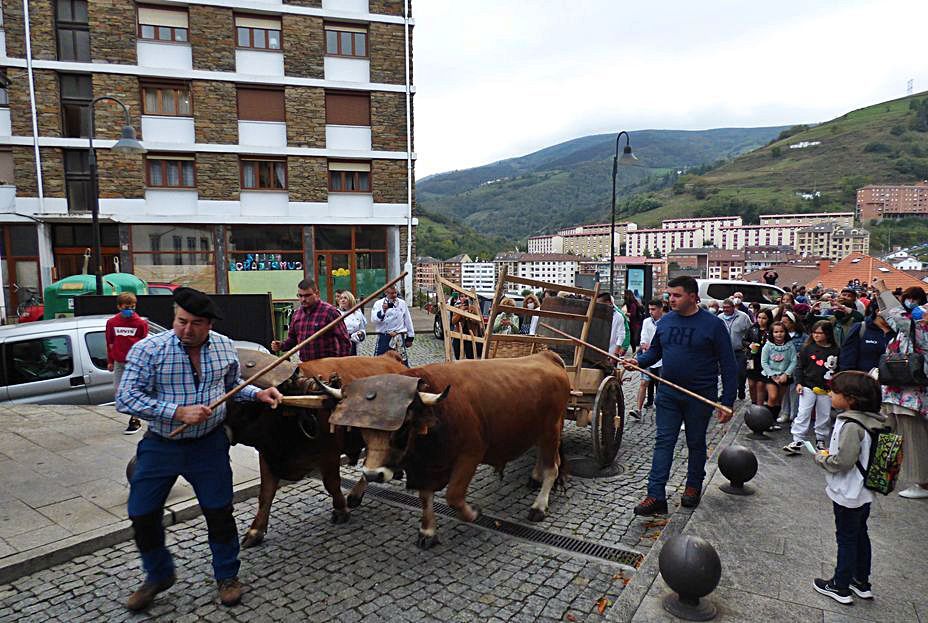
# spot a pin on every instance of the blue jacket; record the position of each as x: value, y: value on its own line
x: 863, y: 356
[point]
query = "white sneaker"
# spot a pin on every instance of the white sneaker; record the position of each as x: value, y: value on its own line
x: 793, y: 447
x: 784, y: 417
x: 915, y: 492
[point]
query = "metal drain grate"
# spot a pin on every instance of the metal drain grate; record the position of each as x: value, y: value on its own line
x: 567, y: 543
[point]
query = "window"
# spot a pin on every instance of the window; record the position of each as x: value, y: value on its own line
x: 264, y: 174
x: 258, y: 33
x: 170, y: 171
x: 4, y: 83
x: 344, y: 40
x: 158, y: 255
x: 348, y: 108
x: 77, y: 180
x: 73, y: 30
x: 162, y: 24
x: 349, y: 177
x: 42, y: 359
x: 261, y: 104
x: 96, y: 346
x: 76, y: 95
x: 170, y: 100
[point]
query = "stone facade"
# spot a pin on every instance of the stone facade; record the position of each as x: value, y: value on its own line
x: 304, y: 46
x: 121, y: 175
x: 218, y: 176
x: 109, y: 116
x: 307, y: 179
x: 387, y: 53
x: 388, y: 121
x: 389, y: 7
x: 388, y: 181
x: 113, y: 31
x: 215, y: 112
x: 42, y: 22
x: 316, y: 4
x: 47, y: 97
x: 52, y: 171
x: 305, y: 109
x: 403, y: 241
x: 212, y: 37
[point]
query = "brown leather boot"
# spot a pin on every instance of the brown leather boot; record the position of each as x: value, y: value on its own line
x: 142, y: 598
x: 230, y: 591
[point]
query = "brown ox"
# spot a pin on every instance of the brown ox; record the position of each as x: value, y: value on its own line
x: 291, y: 441
x: 488, y: 412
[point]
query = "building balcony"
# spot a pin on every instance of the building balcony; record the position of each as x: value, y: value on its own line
x: 351, y: 204
x: 348, y: 137
x: 259, y: 63
x: 7, y: 198
x: 346, y: 6
x: 6, y: 128
x: 264, y: 203
x: 341, y: 69
x: 159, y: 129
x: 262, y: 133
x: 164, y: 55
x: 170, y: 201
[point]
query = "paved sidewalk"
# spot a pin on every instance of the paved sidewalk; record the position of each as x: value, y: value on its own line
x: 63, y: 488
x: 772, y: 545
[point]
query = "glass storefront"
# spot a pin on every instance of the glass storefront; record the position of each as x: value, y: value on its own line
x: 19, y: 263
x: 350, y: 258
x: 265, y: 259
x: 179, y: 254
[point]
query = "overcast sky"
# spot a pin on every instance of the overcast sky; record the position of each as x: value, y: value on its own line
x: 502, y: 78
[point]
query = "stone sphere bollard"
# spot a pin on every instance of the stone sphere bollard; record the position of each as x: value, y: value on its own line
x: 759, y: 419
x: 739, y: 465
x: 130, y: 469
x: 692, y: 569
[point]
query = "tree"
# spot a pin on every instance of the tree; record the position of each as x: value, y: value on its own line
x: 776, y: 152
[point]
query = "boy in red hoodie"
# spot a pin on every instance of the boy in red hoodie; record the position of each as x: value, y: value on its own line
x: 122, y: 331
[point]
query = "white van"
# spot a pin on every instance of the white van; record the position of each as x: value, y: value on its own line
x: 720, y: 289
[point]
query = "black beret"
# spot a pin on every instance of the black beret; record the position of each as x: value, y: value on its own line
x: 197, y: 303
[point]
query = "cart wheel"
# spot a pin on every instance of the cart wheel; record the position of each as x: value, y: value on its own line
x: 608, y: 421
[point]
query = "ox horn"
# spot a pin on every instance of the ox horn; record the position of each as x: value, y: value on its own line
x: 334, y: 392
x: 429, y: 399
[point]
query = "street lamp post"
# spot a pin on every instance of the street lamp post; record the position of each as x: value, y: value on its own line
x: 127, y: 143
x: 627, y: 158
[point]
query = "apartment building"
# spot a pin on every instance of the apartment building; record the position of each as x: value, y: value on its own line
x: 724, y: 264
x: 845, y: 219
x: 832, y: 241
x: 879, y: 201
x: 550, y: 243
x: 592, y: 240
x: 278, y: 137
x: 660, y: 242
x: 759, y: 258
x: 734, y: 238
x: 478, y: 276
x: 451, y: 268
x: 710, y: 225
x: 427, y: 269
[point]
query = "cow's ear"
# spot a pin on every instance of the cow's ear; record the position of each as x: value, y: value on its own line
x: 423, y: 422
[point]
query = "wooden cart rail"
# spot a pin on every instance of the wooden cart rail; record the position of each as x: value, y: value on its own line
x: 547, y: 285
x: 445, y: 311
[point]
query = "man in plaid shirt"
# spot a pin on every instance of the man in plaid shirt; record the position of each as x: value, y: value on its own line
x: 313, y: 314
x: 168, y: 381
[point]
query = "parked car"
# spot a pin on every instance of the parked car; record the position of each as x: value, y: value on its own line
x: 720, y: 289
x: 61, y: 361
x: 162, y: 287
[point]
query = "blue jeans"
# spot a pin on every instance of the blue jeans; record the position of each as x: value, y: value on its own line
x: 204, y: 462
x: 673, y: 409
x: 853, y: 544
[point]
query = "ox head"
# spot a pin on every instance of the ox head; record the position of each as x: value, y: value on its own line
x: 391, y: 410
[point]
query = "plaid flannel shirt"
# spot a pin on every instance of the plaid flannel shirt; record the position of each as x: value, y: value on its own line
x: 335, y: 343
x: 159, y: 378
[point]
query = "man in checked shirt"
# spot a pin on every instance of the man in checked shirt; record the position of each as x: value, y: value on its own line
x: 168, y: 381
x: 313, y: 314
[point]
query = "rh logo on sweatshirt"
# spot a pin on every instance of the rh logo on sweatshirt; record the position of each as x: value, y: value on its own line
x: 125, y: 331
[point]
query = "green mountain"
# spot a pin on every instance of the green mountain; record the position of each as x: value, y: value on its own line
x: 883, y: 143
x: 571, y: 183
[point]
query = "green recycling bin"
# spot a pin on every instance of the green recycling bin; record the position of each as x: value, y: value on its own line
x: 59, y: 296
x: 126, y: 282
x: 282, y: 313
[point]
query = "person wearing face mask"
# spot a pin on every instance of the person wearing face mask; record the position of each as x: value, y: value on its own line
x: 122, y: 332
x: 737, y: 323
x: 738, y: 299
x: 530, y: 322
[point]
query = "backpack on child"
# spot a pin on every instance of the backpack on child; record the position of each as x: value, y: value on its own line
x: 884, y: 461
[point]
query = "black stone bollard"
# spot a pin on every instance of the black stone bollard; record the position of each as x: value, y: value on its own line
x: 759, y: 419
x: 739, y: 465
x: 130, y: 469
x: 691, y: 567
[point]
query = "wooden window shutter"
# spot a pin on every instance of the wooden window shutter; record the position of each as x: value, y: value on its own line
x: 261, y: 105
x: 348, y: 108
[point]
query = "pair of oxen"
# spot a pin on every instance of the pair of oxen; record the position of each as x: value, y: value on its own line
x: 435, y: 423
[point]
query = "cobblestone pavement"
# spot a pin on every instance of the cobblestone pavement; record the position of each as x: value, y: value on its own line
x: 370, y: 569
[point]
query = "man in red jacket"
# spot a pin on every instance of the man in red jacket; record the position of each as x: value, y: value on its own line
x: 122, y: 331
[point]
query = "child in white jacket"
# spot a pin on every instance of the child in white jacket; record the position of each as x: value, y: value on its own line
x: 845, y: 462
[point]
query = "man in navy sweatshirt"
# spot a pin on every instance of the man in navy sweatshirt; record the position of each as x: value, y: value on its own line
x: 696, y: 349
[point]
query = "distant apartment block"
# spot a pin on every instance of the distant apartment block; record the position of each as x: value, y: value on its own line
x: 559, y: 268
x: 832, y: 241
x: 550, y: 243
x: 710, y: 225
x: 844, y: 219
x: 662, y: 241
x: 725, y: 264
x: 760, y: 258
x: 591, y: 240
x: 451, y: 268
x: 427, y: 269
x: 733, y: 238
x: 876, y: 202
x: 478, y: 276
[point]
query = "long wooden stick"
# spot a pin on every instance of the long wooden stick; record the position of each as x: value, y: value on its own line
x: 290, y: 352
x: 656, y: 377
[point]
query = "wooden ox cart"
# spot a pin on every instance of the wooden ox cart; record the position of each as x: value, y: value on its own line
x: 596, y: 387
